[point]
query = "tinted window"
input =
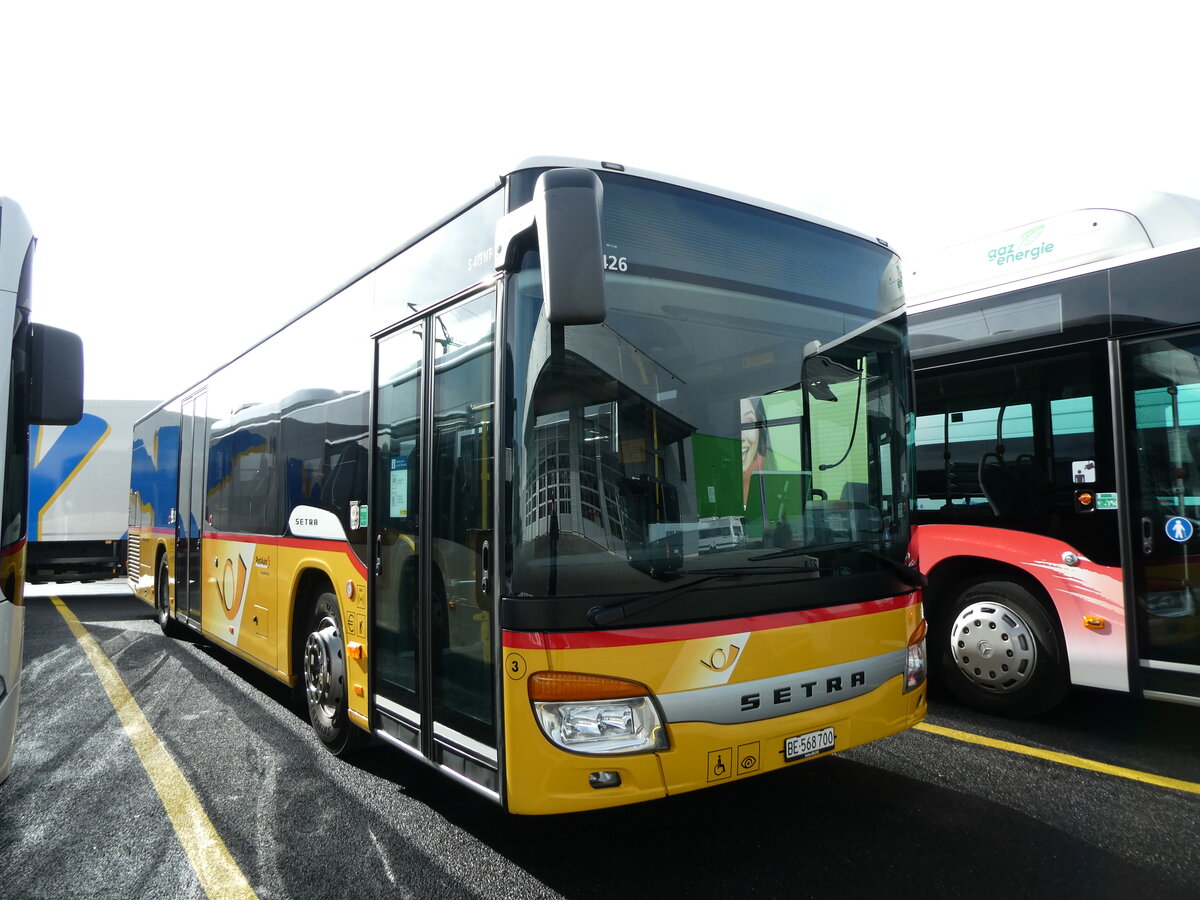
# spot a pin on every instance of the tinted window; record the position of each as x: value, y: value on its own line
x: 440, y: 265
x: 1162, y: 291
x: 155, y: 469
x: 288, y: 423
x: 1036, y: 317
x: 243, y: 461
x: 1011, y: 444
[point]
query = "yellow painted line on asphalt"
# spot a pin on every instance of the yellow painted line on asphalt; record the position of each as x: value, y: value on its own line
x: 1065, y: 759
x: 219, y: 875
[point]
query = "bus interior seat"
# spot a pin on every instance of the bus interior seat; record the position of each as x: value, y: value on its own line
x: 857, y: 492
x: 995, y: 483
x: 1011, y: 488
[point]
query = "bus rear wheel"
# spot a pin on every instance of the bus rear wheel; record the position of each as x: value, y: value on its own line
x: 1001, y: 651
x: 324, y: 663
x: 162, y: 600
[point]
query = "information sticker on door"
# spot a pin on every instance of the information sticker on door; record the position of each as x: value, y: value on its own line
x: 1083, y: 471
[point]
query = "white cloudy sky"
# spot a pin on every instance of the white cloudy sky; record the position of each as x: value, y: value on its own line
x: 198, y: 172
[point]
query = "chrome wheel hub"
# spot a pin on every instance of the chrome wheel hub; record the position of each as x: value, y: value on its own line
x: 324, y: 669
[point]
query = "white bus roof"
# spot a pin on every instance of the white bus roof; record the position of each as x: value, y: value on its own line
x: 1138, y: 223
x: 538, y: 162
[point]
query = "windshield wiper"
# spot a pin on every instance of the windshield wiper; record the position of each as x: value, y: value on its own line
x: 910, y: 576
x: 623, y: 609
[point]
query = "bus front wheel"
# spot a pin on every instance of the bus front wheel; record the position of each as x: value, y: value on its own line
x: 1001, y: 652
x: 325, y: 680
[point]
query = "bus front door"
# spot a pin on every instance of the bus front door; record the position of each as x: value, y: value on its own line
x: 1162, y: 386
x: 432, y: 511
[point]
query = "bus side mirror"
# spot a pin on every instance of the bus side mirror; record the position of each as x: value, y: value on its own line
x: 565, y: 210
x: 55, y: 376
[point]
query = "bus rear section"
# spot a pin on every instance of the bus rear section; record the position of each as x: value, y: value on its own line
x: 475, y: 534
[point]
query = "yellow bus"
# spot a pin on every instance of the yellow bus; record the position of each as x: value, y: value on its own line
x: 457, y: 503
x: 41, y: 383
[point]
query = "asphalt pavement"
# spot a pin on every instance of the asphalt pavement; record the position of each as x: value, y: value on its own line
x: 86, y: 814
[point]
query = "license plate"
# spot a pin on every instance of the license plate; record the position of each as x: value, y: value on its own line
x: 803, y: 746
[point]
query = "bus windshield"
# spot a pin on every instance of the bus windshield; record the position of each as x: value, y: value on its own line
x: 749, y: 377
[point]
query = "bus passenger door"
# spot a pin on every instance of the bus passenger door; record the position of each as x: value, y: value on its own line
x: 1162, y: 389
x: 397, y: 534
x: 189, y: 521
x: 459, y: 519
x: 432, y: 512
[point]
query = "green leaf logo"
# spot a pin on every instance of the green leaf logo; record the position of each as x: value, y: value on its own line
x: 1032, y: 236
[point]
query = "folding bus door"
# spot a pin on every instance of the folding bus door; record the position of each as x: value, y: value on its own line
x: 432, y: 512
x: 189, y: 521
x: 1162, y: 392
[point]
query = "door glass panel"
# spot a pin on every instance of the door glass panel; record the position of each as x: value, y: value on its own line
x: 190, y: 510
x: 460, y: 518
x: 184, y: 521
x: 395, y: 511
x: 196, y: 514
x: 1164, y: 467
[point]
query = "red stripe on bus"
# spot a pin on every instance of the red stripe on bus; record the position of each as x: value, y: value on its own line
x: 168, y: 531
x: 577, y: 640
x: 13, y: 549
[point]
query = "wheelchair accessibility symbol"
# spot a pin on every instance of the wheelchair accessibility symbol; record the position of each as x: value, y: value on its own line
x: 720, y: 764
x: 1179, y: 529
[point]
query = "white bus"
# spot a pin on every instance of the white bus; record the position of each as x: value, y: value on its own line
x: 42, y: 382
x: 1058, y: 455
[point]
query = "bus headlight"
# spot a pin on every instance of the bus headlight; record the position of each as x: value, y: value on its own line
x: 594, y: 714
x: 914, y: 661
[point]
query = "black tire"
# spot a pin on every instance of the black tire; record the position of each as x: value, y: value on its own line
x: 1001, y: 650
x: 162, y: 600
x: 325, y: 683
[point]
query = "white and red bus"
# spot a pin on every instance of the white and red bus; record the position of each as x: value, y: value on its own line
x: 456, y: 503
x: 41, y: 382
x: 1058, y: 455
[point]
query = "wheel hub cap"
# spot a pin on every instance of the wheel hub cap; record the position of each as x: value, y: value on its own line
x: 323, y: 667
x: 993, y: 647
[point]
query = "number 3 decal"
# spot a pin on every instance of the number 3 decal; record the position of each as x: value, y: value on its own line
x: 514, y: 664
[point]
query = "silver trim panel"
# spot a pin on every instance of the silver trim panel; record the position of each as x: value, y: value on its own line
x: 782, y: 695
x: 1161, y: 666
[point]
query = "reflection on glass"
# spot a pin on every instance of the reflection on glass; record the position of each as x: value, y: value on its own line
x: 1165, y: 377
x: 717, y: 417
x: 397, y: 579
x: 756, y: 441
x: 460, y: 516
